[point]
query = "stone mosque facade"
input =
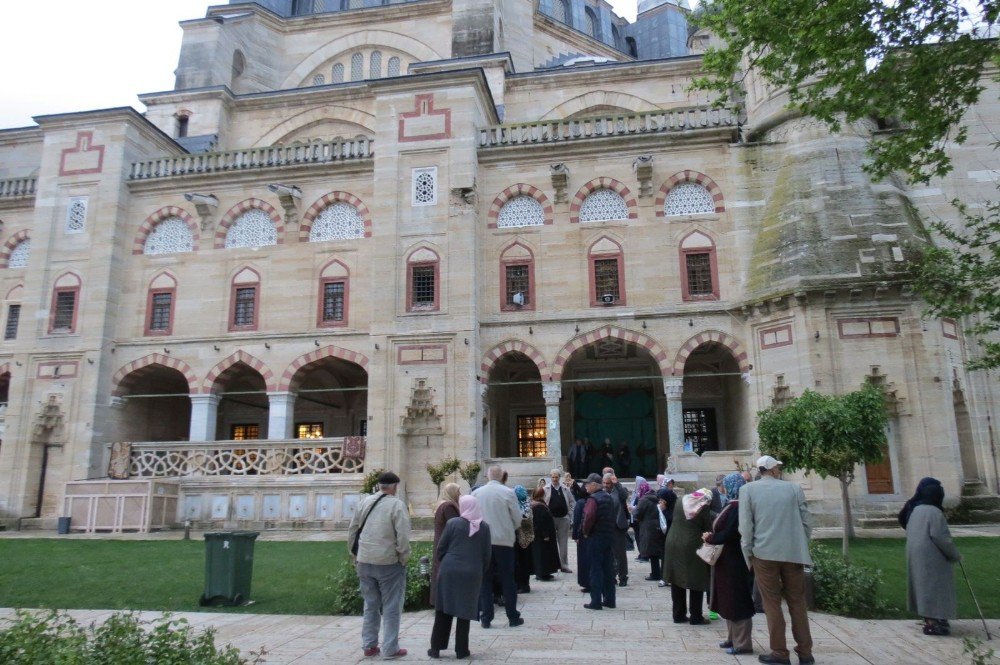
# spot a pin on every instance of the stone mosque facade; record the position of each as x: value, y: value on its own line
x: 361, y: 235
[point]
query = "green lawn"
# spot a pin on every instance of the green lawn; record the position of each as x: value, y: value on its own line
x: 889, y: 554
x: 291, y: 577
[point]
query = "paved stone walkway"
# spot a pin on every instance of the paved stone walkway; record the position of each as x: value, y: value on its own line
x: 558, y: 629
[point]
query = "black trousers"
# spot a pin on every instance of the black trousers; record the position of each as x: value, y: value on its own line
x: 654, y: 567
x: 442, y: 630
x: 683, y: 600
x: 619, y: 540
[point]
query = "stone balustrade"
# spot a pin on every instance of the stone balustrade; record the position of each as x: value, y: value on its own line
x: 650, y: 122
x: 15, y: 188
x: 299, y: 154
x: 243, y: 458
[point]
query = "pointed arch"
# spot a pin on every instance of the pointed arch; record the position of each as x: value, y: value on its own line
x: 602, y: 183
x: 492, y: 356
x: 11, y: 243
x: 514, y: 191
x: 326, y: 352
x: 147, y: 226
x: 5, y: 369
x: 693, y: 177
x: 323, y: 202
x: 240, y: 356
x: 734, y: 345
x: 128, y: 373
x: 586, y: 339
x: 364, y: 123
x: 243, y: 206
x: 597, y: 99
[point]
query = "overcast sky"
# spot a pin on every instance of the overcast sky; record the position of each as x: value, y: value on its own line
x: 74, y: 55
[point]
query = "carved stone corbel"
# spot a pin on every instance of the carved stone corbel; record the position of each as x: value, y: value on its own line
x: 643, y: 167
x: 560, y: 180
x: 289, y: 196
x: 206, y: 205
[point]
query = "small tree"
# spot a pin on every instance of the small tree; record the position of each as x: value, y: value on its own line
x: 828, y: 435
x: 371, y: 481
x: 439, y: 472
x: 470, y: 472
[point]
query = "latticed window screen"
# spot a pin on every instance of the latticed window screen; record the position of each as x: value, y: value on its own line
x: 245, y: 431
x: 65, y: 307
x: 559, y: 10
x: 393, y: 68
x: 338, y: 73
x: 424, y: 187
x: 590, y: 23
x: 309, y: 431
x: 375, y: 65
x: 245, y: 306
x: 603, y: 205
x: 521, y: 211
x: 688, y: 199
x: 19, y: 255
x: 13, y: 318
x: 170, y: 236
x: 253, y: 228
x: 338, y: 221
x: 76, y: 215
x: 357, y: 67
x: 333, y: 302
x: 606, y: 278
x: 531, y: 436
x: 159, y: 315
x: 699, y: 274
x: 518, y: 282
x: 699, y: 429
x: 422, y: 282
x: 319, y: 79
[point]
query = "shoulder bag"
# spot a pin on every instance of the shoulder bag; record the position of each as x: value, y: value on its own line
x: 357, y: 536
x: 709, y: 553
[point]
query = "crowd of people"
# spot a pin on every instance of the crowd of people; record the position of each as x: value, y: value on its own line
x: 744, y: 544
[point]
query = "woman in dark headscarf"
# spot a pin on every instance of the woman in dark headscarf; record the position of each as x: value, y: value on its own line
x: 648, y: 534
x: 544, y: 550
x: 732, y: 581
x: 525, y: 535
x: 904, y: 514
x: 930, y: 559
x: 446, y: 509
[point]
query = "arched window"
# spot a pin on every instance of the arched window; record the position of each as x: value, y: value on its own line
x: 338, y: 73
x: 521, y: 211
x: 393, y: 69
x: 688, y: 198
x: 170, y: 236
x: 699, y: 268
x: 338, y: 221
x: 517, y: 279
x: 334, y: 282
x: 560, y: 10
x: 254, y: 228
x: 616, y: 36
x: 603, y: 205
x: 245, y: 301
x: 357, y: 67
x: 239, y: 64
x: 423, y: 281
x: 590, y: 22
x: 19, y: 255
x: 631, y: 47
x: 319, y: 79
x: 160, y: 305
x: 375, y: 65
x: 607, y: 273
x: 65, y: 300
x: 13, y: 313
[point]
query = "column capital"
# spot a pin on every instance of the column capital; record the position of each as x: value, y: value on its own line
x: 207, y: 398
x: 673, y: 387
x: 551, y: 392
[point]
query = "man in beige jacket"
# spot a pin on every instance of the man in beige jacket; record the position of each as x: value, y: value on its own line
x: 381, y: 528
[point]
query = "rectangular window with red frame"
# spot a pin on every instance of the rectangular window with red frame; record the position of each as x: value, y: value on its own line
x: 245, y: 307
x: 161, y: 309
x: 606, y: 282
x: 13, y: 319
x: 64, y: 314
x: 423, y: 285
x: 699, y: 274
x: 518, y: 278
x: 333, y: 307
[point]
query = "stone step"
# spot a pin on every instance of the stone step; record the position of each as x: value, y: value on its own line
x: 981, y: 502
x: 886, y: 522
x: 38, y: 524
x: 974, y: 488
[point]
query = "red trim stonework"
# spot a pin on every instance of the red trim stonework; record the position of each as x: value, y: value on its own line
x: 520, y: 189
x: 602, y: 183
x: 243, y: 206
x: 127, y: 375
x: 868, y: 327
x: 586, y: 339
x: 11, y: 243
x: 422, y: 354
x: 256, y: 304
x: 711, y: 336
x: 241, y: 356
x: 592, y: 258
x: 76, y: 309
x: 58, y: 369
x: 82, y: 159
x: 949, y: 328
x: 288, y: 375
x: 147, y: 226
x: 713, y: 264
x: 422, y: 123
x: 511, y: 346
x: 776, y: 336
x: 410, y: 265
x: 528, y: 261
x: 323, y: 202
x: 694, y: 177
x: 347, y: 301
x: 147, y: 330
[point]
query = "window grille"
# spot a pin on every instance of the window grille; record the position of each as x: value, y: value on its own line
x: 531, y: 436
x: 338, y: 73
x: 338, y: 221
x: 375, y: 65
x: 424, y: 186
x: 243, y: 309
x: 357, y: 67
x: 699, y: 274
x: 65, y: 308
x: 159, y: 315
x: 13, y: 318
x: 699, y: 430
x: 170, y: 236
x: 245, y: 431
x: 603, y: 205
x: 591, y: 22
x: 394, y: 68
x: 333, y: 302
x: 319, y: 79
x: 76, y: 215
x: 606, y: 279
x: 309, y: 430
x: 520, y: 211
x: 688, y: 199
x: 253, y: 228
x: 19, y: 255
x: 559, y: 11
x: 518, y: 281
x: 422, y: 283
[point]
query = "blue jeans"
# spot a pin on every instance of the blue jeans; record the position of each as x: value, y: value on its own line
x: 602, y: 569
x: 502, y: 568
x: 383, y: 589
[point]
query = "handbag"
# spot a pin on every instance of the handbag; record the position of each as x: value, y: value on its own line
x: 526, y: 532
x: 663, y: 520
x: 357, y: 536
x: 709, y: 553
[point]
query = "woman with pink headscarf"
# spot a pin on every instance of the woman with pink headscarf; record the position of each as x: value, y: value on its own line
x: 463, y: 556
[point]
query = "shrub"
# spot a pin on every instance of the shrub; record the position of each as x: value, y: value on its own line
x: 371, y: 481
x: 845, y: 588
x: 470, y: 472
x: 343, y: 585
x: 55, y: 638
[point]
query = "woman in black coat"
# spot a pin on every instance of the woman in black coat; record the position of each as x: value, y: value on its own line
x: 463, y: 556
x: 647, y: 515
x: 732, y: 582
x: 447, y: 509
x: 544, y: 549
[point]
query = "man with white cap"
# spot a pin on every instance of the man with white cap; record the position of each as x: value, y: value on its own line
x: 774, y: 530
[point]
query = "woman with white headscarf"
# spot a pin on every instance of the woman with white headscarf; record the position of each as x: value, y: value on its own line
x: 683, y: 570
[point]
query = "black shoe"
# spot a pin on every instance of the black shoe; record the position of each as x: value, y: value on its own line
x: 650, y: 578
x: 806, y: 660
x: 642, y: 559
x: 681, y: 620
x: 698, y: 621
x: 461, y: 655
x: 771, y: 658
x: 524, y: 589
x: 593, y: 606
x: 434, y: 653
x: 485, y: 623
x: 624, y: 582
x: 514, y: 623
x: 725, y: 645
x: 733, y: 651
x: 609, y: 605
x: 584, y: 589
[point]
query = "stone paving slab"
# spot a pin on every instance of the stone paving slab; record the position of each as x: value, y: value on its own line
x: 558, y: 629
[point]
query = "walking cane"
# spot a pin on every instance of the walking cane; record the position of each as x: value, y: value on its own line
x: 973, y: 594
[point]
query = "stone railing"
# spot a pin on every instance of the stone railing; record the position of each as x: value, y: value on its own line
x: 650, y: 122
x: 245, y: 458
x: 319, y: 152
x: 15, y: 188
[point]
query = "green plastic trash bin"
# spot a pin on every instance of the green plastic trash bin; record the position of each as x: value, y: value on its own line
x: 228, y: 567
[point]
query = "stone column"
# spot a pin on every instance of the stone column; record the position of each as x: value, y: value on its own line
x: 280, y: 415
x: 673, y: 388
x: 204, y: 412
x: 552, y: 392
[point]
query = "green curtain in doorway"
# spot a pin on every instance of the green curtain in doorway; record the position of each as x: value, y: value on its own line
x: 624, y: 417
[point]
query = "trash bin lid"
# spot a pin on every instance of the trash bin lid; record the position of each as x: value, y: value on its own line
x: 220, y: 535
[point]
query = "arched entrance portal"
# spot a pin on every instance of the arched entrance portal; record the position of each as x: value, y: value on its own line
x: 716, y: 416
x: 243, y: 404
x: 613, y: 396
x: 517, y: 425
x: 331, y: 399
x: 157, y: 406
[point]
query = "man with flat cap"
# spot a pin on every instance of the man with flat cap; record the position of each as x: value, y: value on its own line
x: 599, y: 529
x: 774, y: 529
x: 379, y: 539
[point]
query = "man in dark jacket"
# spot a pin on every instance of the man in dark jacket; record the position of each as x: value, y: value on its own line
x: 582, y: 555
x: 619, y: 495
x: 598, y: 529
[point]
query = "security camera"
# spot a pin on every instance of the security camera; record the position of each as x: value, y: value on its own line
x: 202, y: 199
x: 286, y: 190
x: 608, y: 299
x: 518, y: 299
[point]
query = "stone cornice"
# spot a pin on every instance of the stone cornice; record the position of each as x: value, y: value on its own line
x: 638, y: 70
x: 125, y: 114
x: 312, y: 22
x: 580, y: 40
